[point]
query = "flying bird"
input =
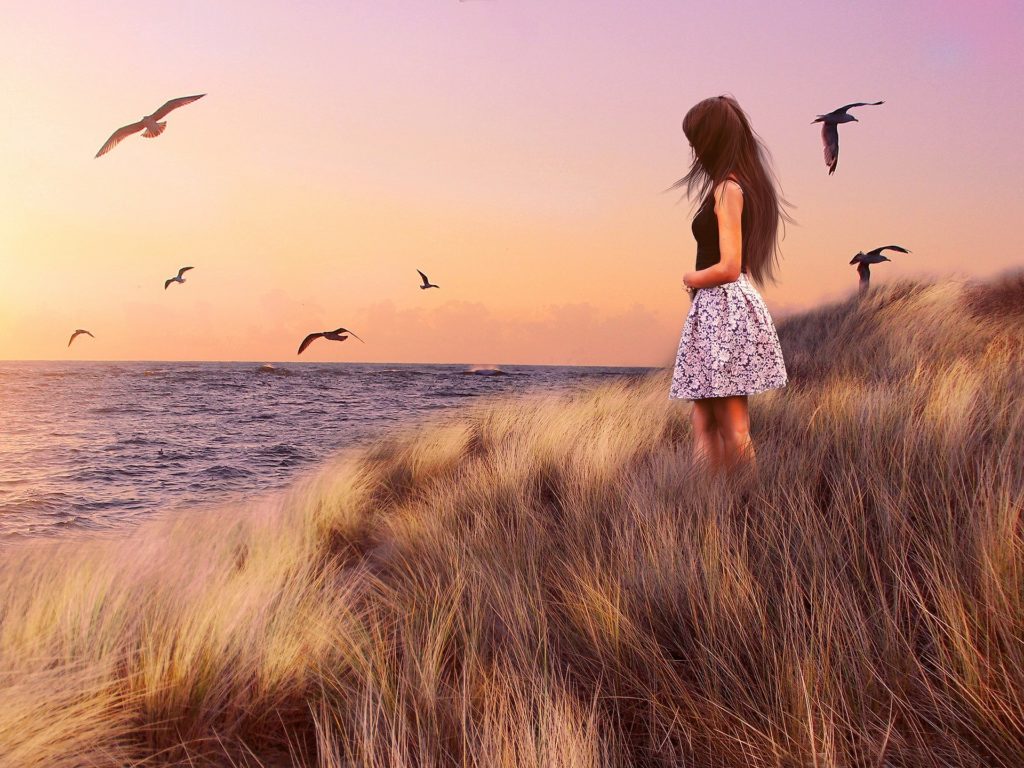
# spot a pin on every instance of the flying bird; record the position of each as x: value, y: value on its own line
x: 151, y: 123
x: 427, y: 283
x: 830, y: 130
x: 78, y: 333
x: 178, y: 279
x: 338, y: 334
x: 875, y: 256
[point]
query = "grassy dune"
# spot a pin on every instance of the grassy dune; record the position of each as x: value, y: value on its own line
x: 547, y: 581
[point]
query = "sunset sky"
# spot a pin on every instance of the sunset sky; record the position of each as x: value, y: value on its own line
x: 515, y: 150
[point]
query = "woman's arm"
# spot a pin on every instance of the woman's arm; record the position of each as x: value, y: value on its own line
x: 728, y: 209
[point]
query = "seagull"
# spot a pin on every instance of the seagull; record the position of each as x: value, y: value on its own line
x: 178, y: 279
x: 427, y: 283
x: 863, y: 260
x: 150, y: 122
x: 830, y: 130
x: 78, y: 333
x: 338, y: 334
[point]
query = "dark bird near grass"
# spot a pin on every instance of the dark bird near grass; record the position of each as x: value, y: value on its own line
x: 427, y: 283
x: 151, y: 123
x: 830, y: 130
x: 875, y: 256
x: 178, y: 279
x: 338, y: 334
x: 78, y: 333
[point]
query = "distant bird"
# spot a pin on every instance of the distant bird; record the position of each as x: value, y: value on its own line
x: 864, y: 260
x: 338, y: 334
x: 830, y: 130
x: 427, y: 283
x: 78, y: 333
x: 150, y: 122
x: 178, y: 279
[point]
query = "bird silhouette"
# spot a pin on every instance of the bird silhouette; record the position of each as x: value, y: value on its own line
x: 874, y: 256
x: 338, y: 334
x: 427, y: 283
x: 78, y: 333
x: 178, y: 279
x: 830, y: 130
x: 151, y: 123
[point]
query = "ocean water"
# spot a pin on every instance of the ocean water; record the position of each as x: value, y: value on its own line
x: 97, y: 446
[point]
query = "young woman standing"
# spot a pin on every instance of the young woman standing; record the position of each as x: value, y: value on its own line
x: 729, y: 348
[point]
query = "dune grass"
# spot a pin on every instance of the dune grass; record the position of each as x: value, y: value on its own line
x: 548, y: 581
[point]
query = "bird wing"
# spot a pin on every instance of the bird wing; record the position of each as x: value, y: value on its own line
x: 183, y: 270
x: 425, y: 281
x: 857, y: 104
x: 168, y: 281
x: 117, y: 136
x: 174, y: 104
x: 878, y: 251
x: 307, y: 341
x: 78, y: 333
x: 864, y: 271
x: 830, y: 144
x: 346, y: 330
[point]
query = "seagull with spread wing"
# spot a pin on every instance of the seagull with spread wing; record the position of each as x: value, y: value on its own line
x: 78, y: 333
x: 875, y: 256
x: 427, y: 283
x: 178, y: 279
x: 338, y: 334
x: 151, y: 123
x: 830, y: 130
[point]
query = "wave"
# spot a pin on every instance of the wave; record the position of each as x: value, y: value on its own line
x: 401, y: 372
x: 284, y: 454
x: 270, y: 368
x: 224, y: 472
x: 485, y: 370
x: 110, y: 410
x: 137, y: 440
x: 50, y: 503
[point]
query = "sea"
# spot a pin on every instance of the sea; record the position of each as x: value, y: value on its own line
x: 94, y: 446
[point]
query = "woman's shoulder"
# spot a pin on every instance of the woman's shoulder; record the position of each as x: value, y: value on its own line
x: 729, y: 188
x: 730, y: 182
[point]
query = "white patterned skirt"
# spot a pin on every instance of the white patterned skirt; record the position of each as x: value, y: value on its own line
x: 729, y: 345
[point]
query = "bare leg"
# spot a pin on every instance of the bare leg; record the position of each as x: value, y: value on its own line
x: 733, y: 420
x: 707, y: 439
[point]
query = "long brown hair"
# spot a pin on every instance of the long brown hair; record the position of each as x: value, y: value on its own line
x: 724, y: 143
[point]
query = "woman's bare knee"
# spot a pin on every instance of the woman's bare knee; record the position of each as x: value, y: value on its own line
x: 735, y: 437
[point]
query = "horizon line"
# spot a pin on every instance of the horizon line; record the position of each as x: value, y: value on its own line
x: 262, y: 361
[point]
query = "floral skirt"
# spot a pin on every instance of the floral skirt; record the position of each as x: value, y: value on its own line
x: 729, y: 345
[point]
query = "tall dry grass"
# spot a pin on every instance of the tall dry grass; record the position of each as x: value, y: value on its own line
x: 548, y: 581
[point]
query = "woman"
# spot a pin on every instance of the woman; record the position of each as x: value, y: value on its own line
x: 729, y: 348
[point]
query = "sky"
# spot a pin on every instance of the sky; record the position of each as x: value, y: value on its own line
x: 517, y: 151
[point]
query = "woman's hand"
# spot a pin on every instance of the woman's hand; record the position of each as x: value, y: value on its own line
x: 690, y: 290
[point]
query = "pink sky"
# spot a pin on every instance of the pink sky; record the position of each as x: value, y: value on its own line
x: 515, y: 151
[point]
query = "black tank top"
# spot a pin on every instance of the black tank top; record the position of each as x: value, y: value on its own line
x: 705, y: 232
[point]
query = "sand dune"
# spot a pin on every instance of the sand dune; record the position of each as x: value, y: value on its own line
x: 546, y: 582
